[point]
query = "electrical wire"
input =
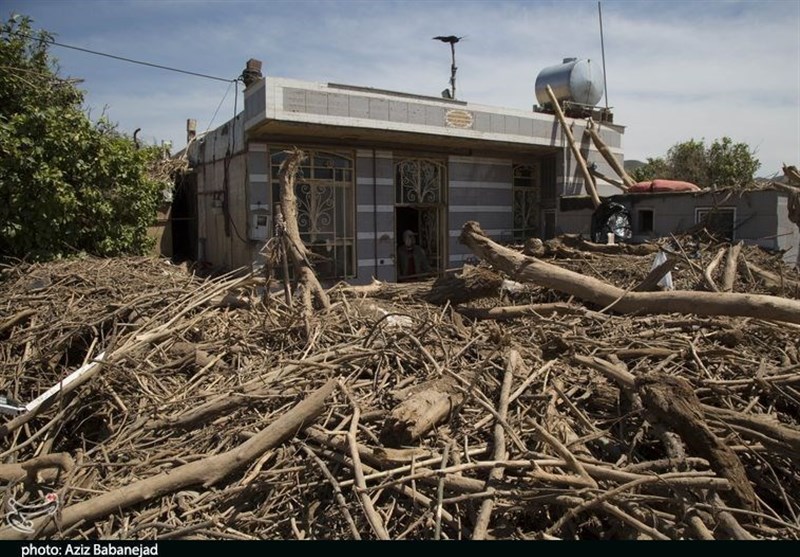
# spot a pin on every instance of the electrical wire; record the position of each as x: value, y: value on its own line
x: 225, y: 96
x: 122, y: 58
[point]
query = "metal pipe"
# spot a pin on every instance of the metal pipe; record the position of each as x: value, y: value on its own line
x: 603, y: 50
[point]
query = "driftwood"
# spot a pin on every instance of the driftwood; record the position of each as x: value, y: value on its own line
x: 206, y: 472
x: 16, y: 318
x: 782, y: 439
x: 595, y: 291
x: 569, y: 245
x: 33, y: 469
x: 428, y: 406
x: 614, y: 182
x: 542, y: 311
x: 472, y: 283
x: 772, y: 278
x: 582, y: 460
x: 674, y: 403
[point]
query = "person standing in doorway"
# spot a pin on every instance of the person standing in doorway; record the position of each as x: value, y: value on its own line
x: 411, y: 258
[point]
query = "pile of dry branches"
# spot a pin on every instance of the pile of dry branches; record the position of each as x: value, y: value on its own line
x: 406, y: 411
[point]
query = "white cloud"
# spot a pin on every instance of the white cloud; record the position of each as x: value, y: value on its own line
x: 676, y: 70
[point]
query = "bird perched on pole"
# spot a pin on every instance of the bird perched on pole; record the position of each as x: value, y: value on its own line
x: 448, y: 39
x: 452, y: 39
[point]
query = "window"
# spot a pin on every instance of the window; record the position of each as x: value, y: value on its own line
x: 644, y: 218
x: 718, y: 221
x: 419, y: 181
x: 527, y: 201
x: 548, y: 179
x: 325, y: 209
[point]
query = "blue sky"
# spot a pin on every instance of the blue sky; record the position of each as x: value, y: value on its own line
x: 676, y: 70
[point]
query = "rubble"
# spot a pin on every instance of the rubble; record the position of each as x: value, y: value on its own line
x: 404, y: 411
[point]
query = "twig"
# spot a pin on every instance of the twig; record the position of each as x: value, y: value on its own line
x: 514, y: 362
x: 337, y: 491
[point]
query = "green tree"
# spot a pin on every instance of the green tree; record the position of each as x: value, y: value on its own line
x: 731, y: 164
x: 722, y: 164
x: 652, y: 169
x: 687, y: 162
x: 66, y: 183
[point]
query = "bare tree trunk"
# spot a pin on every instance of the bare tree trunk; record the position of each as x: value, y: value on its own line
x: 309, y: 284
x: 589, y: 289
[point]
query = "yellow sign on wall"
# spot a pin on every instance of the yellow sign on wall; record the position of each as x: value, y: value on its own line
x: 456, y: 118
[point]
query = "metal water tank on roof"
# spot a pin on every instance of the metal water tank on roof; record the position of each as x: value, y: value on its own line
x: 574, y: 80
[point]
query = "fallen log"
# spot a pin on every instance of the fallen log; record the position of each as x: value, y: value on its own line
x: 419, y: 413
x: 708, y: 273
x: 675, y: 405
x: 472, y: 283
x: 771, y: 278
x: 589, y: 289
x: 531, y: 310
x: 777, y: 437
x: 556, y: 246
x: 32, y: 468
x: 207, y: 471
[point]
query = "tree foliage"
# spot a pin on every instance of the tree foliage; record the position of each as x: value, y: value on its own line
x: 66, y: 183
x: 722, y: 164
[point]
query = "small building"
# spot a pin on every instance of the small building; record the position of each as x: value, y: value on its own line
x: 379, y: 163
x: 759, y: 217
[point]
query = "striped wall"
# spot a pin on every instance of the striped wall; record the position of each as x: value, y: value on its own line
x: 374, y: 216
x: 480, y: 190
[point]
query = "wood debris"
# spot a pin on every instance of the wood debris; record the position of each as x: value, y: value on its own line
x: 451, y: 410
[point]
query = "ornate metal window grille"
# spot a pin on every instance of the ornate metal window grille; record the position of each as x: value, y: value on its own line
x: 325, y: 209
x: 527, y: 201
x: 419, y: 181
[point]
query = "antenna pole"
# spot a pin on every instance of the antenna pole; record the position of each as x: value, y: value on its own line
x: 453, y: 69
x: 603, y: 50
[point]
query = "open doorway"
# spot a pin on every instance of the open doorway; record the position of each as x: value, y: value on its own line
x: 184, y: 219
x: 418, y: 243
x: 420, y: 201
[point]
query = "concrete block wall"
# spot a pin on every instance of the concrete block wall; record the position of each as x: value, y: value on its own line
x: 480, y: 190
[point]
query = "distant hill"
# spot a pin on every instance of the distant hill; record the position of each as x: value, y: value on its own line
x: 632, y: 164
